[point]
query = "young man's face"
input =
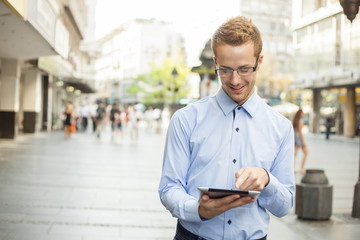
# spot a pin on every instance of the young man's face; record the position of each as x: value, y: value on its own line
x: 239, y: 88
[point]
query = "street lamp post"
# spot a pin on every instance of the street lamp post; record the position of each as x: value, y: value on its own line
x: 356, y: 203
x: 351, y: 9
x: 174, y: 73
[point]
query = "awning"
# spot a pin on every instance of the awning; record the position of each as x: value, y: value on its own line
x: 77, y: 84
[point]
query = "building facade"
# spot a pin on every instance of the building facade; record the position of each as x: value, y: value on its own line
x: 40, y: 62
x: 327, y: 50
x: 128, y: 51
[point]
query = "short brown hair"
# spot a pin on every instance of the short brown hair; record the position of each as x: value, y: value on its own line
x: 237, y: 31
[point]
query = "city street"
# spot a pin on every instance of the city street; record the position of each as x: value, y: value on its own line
x: 86, y: 188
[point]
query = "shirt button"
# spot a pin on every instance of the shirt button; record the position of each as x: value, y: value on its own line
x: 234, y: 160
x: 239, y: 108
x: 237, y: 129
x: 229, y: 222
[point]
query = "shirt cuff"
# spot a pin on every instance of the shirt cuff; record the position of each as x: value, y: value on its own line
x: 192, y: 210
x: 271, y: 187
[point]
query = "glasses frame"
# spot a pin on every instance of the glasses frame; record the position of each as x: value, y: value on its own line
x: 237, y: 70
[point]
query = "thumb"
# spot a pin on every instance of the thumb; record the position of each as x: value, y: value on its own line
x: 205, y: 197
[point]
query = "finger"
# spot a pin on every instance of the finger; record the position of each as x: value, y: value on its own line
x: 205, y: 197
x: 241, y: 179
x: 240, y: 202
x: 253, y: 182
x: 252, y: 186
x: 226, y: 200
x: 239, y: 173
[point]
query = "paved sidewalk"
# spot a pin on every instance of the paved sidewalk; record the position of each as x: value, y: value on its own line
x: 82, y: 188
x: 86, y: 188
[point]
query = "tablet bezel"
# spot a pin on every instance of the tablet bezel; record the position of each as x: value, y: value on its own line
x: 221, y: 192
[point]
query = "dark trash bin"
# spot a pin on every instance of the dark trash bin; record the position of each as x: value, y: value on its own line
x: 314, y: 196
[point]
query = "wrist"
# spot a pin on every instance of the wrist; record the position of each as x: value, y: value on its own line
x: 267, y: 177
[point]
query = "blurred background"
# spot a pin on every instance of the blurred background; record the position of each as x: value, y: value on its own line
x: 157, y: 54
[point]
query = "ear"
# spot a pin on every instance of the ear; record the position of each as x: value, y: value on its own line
x: 261, y: 57
x: 215, y: 61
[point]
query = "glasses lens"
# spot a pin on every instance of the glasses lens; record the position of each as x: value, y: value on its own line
x: 243, y: 71
x: 225, y: 73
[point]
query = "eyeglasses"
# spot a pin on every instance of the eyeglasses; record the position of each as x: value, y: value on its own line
x: 227, y: 73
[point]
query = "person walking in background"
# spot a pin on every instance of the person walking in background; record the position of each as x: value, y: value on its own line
x: 149, y: 117
x: 328, y: 125
x: 231, y: 140
x: 157, y: 117
x: 69, y: 119
x: 92, y: 110
x: 165, y: 118
x: 77, y: 116
x: 134, y: 117
x: 100, y: 118
x: 114, y: 110
x: 84, y: 117
x: 298, y: 124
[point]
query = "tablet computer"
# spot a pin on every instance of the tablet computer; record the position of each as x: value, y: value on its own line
x: 220, y: 192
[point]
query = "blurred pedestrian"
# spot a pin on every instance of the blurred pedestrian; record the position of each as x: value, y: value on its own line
x: 100, y: 118
x: 165, y: 118
x: 231, y: 140
x: 69, y: 119
x: 77, y: 114
x: 298, y: 124
x: 328, y: 125
x: 119, y: 119
x: 84, y: 116
x: 134, y: 117
x: 114, y: 110
x: 92, y: 110
x: 149, y: 117
x: 157, y: 117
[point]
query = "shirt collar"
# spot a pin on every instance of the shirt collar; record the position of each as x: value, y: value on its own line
x: 252, y: 103
x: 227, y: 105
x: 225, y: 102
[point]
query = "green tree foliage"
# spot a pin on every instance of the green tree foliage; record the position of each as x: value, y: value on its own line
x: 161, y: 84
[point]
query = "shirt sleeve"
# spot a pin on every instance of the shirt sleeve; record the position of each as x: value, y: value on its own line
x: 278, y: 196
x: 176, y: 162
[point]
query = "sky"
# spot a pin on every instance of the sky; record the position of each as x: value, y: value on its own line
x: 196, y: 20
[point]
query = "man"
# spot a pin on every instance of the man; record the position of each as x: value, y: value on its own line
x: 229, y: 140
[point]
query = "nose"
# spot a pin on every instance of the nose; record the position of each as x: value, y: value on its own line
x: 236, y: 78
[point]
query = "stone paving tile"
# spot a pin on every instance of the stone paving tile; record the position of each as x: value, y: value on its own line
x: 23, y: 229
x: 25, y: 236
x: 148, y: 234
x: 101, y: 231
x: 41, y: 236
x: 3, y: 235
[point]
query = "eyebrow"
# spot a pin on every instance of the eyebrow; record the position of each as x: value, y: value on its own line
x: 243, y: 66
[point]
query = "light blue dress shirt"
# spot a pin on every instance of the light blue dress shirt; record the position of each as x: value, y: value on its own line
x: 207, y: 143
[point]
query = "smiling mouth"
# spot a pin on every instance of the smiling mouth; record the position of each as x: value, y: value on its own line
x: 237, y: 89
